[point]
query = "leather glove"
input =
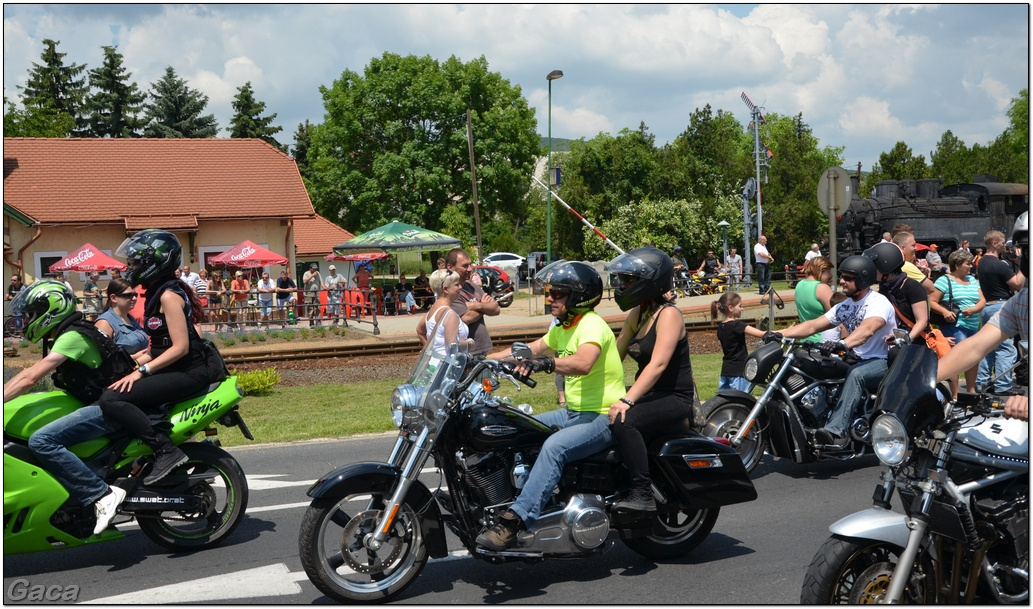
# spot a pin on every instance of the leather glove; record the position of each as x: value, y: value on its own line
x: 543, y: 364
x: 829, y: 347
x: 770, y: 337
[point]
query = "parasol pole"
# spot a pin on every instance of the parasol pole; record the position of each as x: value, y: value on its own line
x: 580, y: 217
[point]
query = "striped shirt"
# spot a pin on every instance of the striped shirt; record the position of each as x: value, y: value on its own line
x: 964, y: 296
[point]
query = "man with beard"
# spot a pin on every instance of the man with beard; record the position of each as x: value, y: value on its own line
x: 472, y: 305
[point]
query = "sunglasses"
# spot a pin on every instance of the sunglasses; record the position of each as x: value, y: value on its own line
x: 558, y: 294
x: 848, y: 277
x: 128, y: 295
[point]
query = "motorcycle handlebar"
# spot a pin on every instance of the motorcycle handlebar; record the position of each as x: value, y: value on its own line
x: 509, y: 368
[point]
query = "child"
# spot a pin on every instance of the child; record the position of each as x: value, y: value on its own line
x: 838, y: 332
x: 732, y: 334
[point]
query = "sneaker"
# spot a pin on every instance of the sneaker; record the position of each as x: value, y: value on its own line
x: 824, y: 436
x: 164, y: 463
x: 640, y: 500
x: 503, y: 534
x: 106, y: 507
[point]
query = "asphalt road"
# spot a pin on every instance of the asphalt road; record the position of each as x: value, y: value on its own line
x: 757, y: 553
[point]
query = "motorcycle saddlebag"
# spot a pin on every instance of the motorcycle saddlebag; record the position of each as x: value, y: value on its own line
x: 706, y: 473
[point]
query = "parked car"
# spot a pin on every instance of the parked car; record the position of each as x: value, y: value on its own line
x: 503, y: 259
x: 495, y: 281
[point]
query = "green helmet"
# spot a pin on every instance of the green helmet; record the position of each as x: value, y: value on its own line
x: 44, y: 305
x: 151, y: 255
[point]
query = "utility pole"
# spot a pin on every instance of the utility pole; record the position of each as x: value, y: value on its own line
x: 473, y: 178
x: 761, y: 154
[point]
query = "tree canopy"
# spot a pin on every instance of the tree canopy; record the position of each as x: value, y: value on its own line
x: 116, y: 102
x: 247, y: 118
x: 393, y: 143
x: 175, y: 110
x: 56, y: 89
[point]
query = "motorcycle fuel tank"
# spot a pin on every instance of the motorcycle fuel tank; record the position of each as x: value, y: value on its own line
x: 487, y: 427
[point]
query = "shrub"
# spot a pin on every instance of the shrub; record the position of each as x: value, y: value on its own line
x: 243, y: 337
x: 257, y: 382
x: 258, y: 337
x: 228, y: 340
x: 303, y: 333
x: 287, y: 334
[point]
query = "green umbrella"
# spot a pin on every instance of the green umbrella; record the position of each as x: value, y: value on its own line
x: 396, y: 237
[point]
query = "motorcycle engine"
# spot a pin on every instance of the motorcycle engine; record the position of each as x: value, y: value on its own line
x: 579, y: 526
x: 489, y: 476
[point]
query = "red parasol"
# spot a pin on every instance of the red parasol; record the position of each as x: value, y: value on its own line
x: 247, y: 254
x: 87, y: 258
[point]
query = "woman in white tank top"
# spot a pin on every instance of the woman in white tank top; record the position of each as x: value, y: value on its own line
x: 446, y: 285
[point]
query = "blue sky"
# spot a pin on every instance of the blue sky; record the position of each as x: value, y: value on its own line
x: 864, y: 76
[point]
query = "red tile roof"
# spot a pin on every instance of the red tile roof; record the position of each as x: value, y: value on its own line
x: 317, y: 236
x: 55, y: 180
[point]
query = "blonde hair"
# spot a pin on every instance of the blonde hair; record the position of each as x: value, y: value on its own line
x: 816, y: 267
x: 722, y: 304
x: 441, y: 278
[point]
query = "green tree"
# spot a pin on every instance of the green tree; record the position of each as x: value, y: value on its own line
x: 713, y: 153
x: 897, y: 164
x: 952, y: 160
x: 56, y: 89
x: 115, y: 105
x: 393, y: 142
x: 302, y: 141
x: 248, y: 121
x: 176, y: 110
x: 36, y: 122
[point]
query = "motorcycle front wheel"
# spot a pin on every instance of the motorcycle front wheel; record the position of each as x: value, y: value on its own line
x: 724, y: 420
x: 218, y: 479
x: 857, y: 571
x: 332, y: 550
x: 682, y: 532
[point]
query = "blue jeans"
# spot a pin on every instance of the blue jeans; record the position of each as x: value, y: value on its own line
x: 48, y: 444
x: 410, y: 302
x: 1001, y: 358
x: 862, y: 378
x: 958, y: 333
x: 733, y: 382
x: 583, y: 434
x: 763, y: 276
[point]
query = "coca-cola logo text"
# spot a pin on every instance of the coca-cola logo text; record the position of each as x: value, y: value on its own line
x: 82, y: 256
x: 244, y: 253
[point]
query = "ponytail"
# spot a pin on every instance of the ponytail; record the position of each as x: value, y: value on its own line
x: 723, y: 304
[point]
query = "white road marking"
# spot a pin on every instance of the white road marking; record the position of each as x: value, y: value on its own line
x: 271, y: 580
x: 260, y: 482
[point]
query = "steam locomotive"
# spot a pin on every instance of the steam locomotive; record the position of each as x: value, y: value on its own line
x: 944, y: 215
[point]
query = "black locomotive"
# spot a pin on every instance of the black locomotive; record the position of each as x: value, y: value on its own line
x: 944, y: 215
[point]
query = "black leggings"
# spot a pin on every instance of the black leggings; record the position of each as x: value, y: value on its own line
x: 653, y: 413
x: 148, y: 394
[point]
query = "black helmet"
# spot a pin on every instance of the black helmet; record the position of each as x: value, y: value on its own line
x: 151, y: 254
x: 44, y: 305
x: 584, y: 283
x: 1020, y: 237
x: 677, y: 249
x: 887, y: 257
x: 863, y: 269
x: 652, y: 272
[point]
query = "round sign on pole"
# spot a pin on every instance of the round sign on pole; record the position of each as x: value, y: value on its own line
x: 834, y: 190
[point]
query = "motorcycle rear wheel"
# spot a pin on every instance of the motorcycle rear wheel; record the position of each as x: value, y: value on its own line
x: 855, y: 571
x: 225, y: 494
x: 682, y: 532
x: 331, y: 548
x: 724, y: 421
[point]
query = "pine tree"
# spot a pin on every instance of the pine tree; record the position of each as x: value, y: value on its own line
x: 248, y: 120
x: 56, y: 89
x: 115, y: 107
x: 302, y: 141
x: 176, y: 110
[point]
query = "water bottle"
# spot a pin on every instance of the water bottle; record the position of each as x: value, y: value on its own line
x: 290, y: 317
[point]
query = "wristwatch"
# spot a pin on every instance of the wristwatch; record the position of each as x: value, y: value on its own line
x: 145, y: 370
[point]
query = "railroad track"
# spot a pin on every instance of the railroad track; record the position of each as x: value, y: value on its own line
x: 412, y: 346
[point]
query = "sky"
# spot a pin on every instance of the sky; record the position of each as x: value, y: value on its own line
x: 863, y: 76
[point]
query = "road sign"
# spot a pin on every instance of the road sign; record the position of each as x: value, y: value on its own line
x: 834, y: 190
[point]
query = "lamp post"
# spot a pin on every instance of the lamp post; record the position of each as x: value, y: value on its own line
x: 724, y: 239
x: 548, y: 209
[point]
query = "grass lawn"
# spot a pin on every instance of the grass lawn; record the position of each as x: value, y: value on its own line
x: 288, y: 414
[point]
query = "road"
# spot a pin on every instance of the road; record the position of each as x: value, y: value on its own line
x: 757, y: 553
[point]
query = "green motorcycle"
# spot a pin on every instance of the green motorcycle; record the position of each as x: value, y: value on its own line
x: 195, y: 507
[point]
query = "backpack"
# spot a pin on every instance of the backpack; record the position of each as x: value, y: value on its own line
x: 78, y: 379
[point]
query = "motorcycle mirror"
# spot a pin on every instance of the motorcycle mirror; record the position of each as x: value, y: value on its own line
x: 522, y: 351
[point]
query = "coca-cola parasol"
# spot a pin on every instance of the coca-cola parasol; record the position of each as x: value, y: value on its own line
x: 86, y: 259
x: 247, y: 254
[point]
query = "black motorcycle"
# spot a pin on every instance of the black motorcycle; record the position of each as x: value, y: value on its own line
x: 961, y: 473
x: 801, y: 387
x: 371, y: 527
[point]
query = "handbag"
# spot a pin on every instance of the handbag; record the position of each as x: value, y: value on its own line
x: 934, y: 339
x: 937, y: 318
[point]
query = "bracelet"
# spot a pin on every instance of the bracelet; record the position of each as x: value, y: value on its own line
x: 627, y: 401
x: 145, y: 370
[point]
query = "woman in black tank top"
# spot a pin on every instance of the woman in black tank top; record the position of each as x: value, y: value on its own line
x: 654, y: 336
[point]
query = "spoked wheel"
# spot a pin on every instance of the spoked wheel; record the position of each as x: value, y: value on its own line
x: 338, y: 557
x: 217, y: 479
x: 682, y: 532
x: 857, y: 571
x: 725, y: 420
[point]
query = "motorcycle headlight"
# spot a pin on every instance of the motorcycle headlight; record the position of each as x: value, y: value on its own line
x: 889, y: 439
x: 750, y: 372
x: 404, y: 400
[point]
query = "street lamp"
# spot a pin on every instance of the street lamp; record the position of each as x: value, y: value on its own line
x: 724, y: 238
x: 548, y: 209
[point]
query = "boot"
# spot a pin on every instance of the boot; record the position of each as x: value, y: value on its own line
x: 166, y: 458
x: 503, y: 534
x: 640, y: 500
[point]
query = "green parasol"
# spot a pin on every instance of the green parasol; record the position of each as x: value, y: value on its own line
x: 397, y: 237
